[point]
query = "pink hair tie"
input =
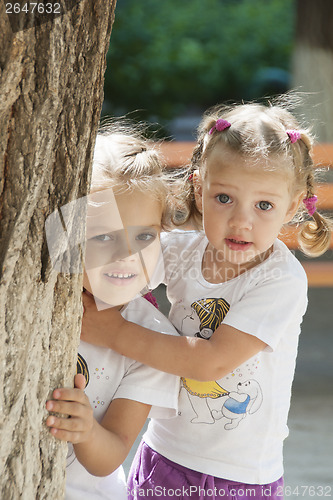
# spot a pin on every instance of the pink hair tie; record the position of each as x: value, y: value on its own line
x: 310, y: 204
x: 294, y: 135
x: 220, y: 125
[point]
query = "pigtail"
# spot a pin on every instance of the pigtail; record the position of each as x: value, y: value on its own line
x: 315, y: 235
x: 195, y: 216
x: 183, y: 192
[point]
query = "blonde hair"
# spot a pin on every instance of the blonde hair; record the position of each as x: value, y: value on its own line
x: 125, y: 160
x: 260, y: 132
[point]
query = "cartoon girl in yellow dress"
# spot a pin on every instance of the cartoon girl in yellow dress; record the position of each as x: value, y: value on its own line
x: 211, y: 313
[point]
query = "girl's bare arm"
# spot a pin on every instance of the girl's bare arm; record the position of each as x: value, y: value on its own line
x: 190, y: 357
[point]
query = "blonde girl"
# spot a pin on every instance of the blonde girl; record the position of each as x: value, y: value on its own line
x: 251, y: 174
x: 126, y: 210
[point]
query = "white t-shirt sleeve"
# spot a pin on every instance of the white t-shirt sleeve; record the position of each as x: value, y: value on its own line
x: 270, y: 308
x: 143, y: 383
x: 153, y: 387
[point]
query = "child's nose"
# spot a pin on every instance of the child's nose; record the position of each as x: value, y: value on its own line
x: 123, y: 248
x: 125, y: 255
x: 240, y: 218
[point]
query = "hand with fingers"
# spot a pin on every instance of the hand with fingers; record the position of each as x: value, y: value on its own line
x: 100, y: 447
x: 77, y: 427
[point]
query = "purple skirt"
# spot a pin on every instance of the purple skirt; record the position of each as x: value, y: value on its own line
x: 154, y: 476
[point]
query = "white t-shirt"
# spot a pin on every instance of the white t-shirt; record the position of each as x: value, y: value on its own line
x: 113, y: 376
x: 234, y: 427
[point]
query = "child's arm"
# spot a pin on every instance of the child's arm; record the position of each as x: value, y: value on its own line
x: 190, y: 357
x: 100, y: 448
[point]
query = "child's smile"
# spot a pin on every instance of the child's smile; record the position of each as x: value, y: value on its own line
x: 120, y: 278
x: 244, y: 207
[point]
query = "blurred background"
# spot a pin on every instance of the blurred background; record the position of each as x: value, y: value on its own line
x: 171, y: 60
x: 168, y: 62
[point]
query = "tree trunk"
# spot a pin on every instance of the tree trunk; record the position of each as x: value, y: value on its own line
x: 313, y: 63
x: 52, y: 74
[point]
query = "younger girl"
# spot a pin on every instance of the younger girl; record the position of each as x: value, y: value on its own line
x: 238, y: 284
x: 126, y: 209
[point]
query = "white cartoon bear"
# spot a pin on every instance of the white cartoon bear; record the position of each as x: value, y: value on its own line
x: 246, y: 400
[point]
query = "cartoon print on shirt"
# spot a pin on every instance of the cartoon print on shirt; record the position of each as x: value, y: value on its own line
x: 198, y: 394
x: 211, y: 313
x: 246, y: 401
x: 82, y: 367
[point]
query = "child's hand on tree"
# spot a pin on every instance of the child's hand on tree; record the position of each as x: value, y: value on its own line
x: 74, y: 403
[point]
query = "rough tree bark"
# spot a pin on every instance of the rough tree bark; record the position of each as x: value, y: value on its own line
x: 51, y: 89
x: 313, y: 63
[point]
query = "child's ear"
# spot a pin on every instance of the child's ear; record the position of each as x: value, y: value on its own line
x: 197, y: 185
x: 294, y: 206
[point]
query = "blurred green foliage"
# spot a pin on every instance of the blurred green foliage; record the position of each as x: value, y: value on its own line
x: 165, y: 56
